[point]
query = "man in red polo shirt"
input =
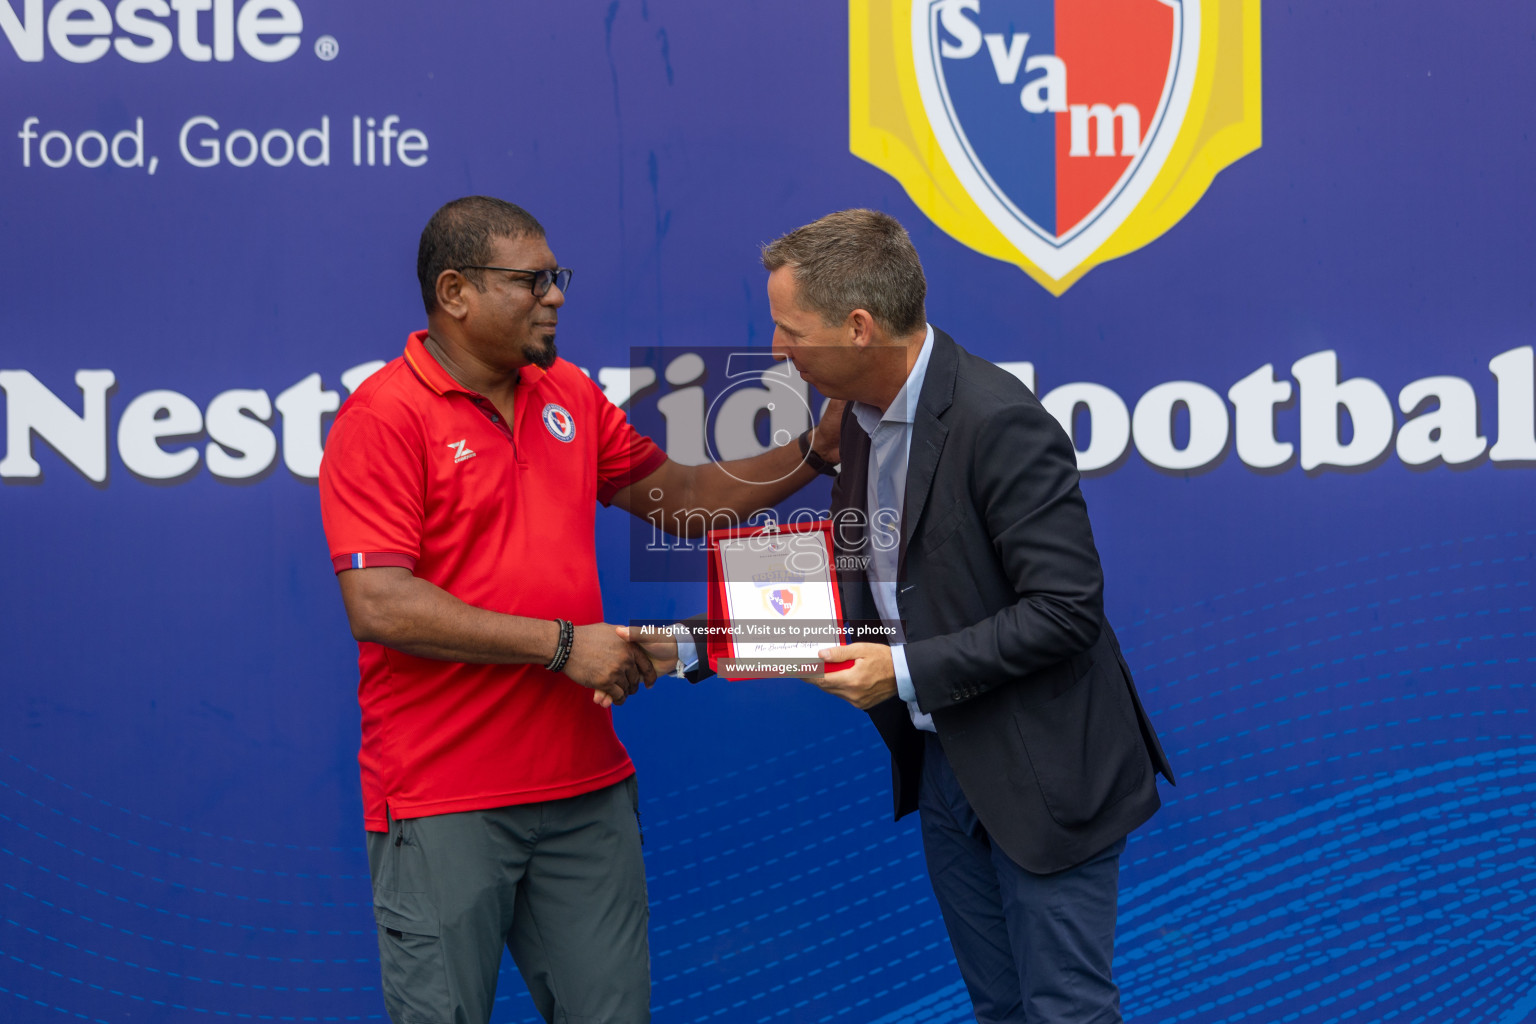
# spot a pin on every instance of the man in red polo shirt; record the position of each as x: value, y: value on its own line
x: 458, y: 490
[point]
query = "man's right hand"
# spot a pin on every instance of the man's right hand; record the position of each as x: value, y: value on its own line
x: 659, y: 646
x: 607, y: 665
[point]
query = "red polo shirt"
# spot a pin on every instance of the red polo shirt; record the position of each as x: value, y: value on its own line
x: 422, y: 473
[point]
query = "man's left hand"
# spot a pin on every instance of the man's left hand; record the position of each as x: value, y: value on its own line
x: 872, y: 678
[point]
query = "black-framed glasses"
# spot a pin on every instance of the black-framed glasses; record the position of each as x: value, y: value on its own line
x: 560, y: 277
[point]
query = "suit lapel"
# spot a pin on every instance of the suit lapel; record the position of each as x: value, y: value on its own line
x: 928, y: 434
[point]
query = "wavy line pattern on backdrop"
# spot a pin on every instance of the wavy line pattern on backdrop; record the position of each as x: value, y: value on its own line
x: 1300, y: 871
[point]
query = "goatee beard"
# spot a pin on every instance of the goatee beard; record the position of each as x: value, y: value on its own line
x: 542, y: 356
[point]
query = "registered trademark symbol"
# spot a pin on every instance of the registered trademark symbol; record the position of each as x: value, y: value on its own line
x: 326, y: 47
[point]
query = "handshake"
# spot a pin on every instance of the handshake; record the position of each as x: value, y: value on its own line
x: 612, y: 661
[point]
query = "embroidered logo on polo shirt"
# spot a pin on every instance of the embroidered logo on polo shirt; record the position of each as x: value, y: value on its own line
x: 559, y: 422
x: 462, y: 452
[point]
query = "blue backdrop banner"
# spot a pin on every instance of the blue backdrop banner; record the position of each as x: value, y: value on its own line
x: 1270, y: 267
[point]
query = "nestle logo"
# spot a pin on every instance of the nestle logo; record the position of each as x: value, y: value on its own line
x: 82, y: 31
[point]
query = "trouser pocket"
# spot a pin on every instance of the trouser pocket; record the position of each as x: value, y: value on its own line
x: 413, y: 967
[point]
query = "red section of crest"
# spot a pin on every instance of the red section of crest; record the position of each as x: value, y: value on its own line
x: 1116, y: 51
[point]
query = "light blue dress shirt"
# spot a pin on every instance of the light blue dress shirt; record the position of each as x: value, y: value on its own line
x: 890, y: 435
x: 687, y: 653
x: 890, y: 444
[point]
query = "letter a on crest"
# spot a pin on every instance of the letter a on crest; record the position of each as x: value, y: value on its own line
x: 1054, y: 134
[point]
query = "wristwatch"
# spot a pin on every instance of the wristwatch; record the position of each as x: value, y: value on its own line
x: 810, y: 458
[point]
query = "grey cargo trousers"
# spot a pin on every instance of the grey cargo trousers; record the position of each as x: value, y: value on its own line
x: 560, y: 884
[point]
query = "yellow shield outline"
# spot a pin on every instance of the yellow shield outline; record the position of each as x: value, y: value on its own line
x: 888, y: 127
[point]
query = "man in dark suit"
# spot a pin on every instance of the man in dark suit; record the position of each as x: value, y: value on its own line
x: 1011, y: 717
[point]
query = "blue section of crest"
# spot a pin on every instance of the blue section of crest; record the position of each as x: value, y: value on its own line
x: 1013, y: 147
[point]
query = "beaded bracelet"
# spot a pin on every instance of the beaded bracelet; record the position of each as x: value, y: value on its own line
x: 562, y: 645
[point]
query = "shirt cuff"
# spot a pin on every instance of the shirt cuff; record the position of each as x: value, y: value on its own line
x: 904, y: 686
x: 687, y: 653
x: 372, y: 560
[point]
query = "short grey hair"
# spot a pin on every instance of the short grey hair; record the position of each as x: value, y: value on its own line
x: 855, y: 259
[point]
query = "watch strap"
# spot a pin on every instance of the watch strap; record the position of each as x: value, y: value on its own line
x: 810, y: 458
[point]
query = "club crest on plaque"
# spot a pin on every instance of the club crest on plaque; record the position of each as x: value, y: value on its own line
x: 781, y: 600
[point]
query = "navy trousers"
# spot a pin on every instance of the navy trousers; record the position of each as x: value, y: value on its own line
x: 1033, y: 949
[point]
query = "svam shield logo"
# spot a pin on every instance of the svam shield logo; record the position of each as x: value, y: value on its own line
x: 781, y: 600
x: 1054, y: 134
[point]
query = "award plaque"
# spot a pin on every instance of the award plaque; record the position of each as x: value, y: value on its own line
x: 773, y: 601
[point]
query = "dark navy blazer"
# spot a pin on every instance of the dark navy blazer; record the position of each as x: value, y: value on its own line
x: 1001, y: 599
